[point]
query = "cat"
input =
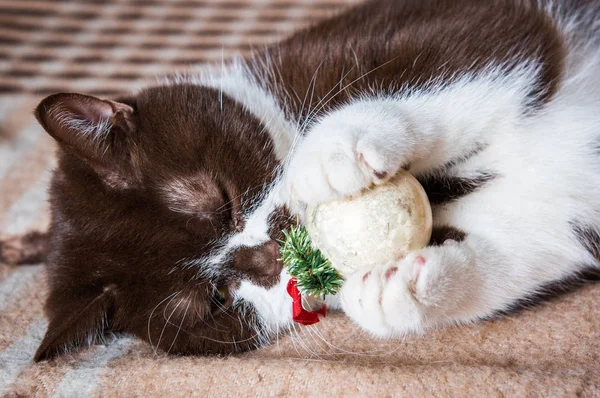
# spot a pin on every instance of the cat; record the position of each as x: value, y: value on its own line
x: 168, y: 204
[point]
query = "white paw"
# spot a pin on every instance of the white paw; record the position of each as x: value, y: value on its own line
x: 429, y: 287
x: 349, y: 149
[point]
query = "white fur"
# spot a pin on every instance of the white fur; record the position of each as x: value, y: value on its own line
x: 519, y: 232
x: 425, y: 129
x: 273, y: 305
x: 519, y: 225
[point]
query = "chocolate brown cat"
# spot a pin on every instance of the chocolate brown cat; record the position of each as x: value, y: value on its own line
x: 167, y: 203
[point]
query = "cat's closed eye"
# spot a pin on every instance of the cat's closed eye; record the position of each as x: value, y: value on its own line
x: 232, y: 209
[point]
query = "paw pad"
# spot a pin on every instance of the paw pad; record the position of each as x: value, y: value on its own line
x: 366, y: 276
x: 420, y: 261
x: 390, y: 272
x: 381, y: 175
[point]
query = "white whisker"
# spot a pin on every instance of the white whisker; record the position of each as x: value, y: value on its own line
x: 152, y: 313
x: 180, y: 324
x: 166, y: 322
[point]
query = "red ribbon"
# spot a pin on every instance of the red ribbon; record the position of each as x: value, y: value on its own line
x: 299, y: 314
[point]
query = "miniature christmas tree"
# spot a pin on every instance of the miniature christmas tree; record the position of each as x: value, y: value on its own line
x: 313, y: 272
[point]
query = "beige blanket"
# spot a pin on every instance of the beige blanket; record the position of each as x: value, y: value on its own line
x: 103, y: 47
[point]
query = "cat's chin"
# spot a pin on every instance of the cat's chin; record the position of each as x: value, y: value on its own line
x: 273, y: 305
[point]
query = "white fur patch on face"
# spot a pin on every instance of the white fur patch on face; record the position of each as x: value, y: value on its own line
x: 255, y: 233
x: 273, y: 306
x: 256, y: 225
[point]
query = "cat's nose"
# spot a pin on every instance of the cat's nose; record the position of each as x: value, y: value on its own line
x: 272, y: 252
x: 262, y: 260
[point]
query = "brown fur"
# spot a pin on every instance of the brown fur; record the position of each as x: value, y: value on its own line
x: 589, y: 238
x: 442, y: 189
x: 410, y: 43
x: 113, y: 226
x: 440, y: 234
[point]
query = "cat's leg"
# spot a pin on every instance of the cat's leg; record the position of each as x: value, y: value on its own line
x: 368, y: 140
x: 430, y: 287
x: 459, y: 281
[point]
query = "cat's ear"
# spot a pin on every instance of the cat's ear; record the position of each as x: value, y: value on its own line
x: 96, y: 130
x: 78, y: 323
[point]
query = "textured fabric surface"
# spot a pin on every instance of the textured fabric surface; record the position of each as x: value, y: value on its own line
x: 103, y: 47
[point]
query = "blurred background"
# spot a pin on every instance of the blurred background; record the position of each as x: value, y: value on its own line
x: 104, y: 48
x: 101, y: 47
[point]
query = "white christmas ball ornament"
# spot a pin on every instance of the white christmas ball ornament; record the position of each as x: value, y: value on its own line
x: 381, y: 224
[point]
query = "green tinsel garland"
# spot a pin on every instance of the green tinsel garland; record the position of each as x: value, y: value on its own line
x: 313, y: 272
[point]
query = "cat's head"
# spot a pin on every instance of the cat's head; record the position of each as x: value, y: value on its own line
x: 164, y: 222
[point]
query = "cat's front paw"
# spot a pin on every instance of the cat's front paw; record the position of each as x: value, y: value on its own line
x: 428, y: 288
x: 358, y: 145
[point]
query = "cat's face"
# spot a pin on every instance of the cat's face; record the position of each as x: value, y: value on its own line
x: 162, y: 220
